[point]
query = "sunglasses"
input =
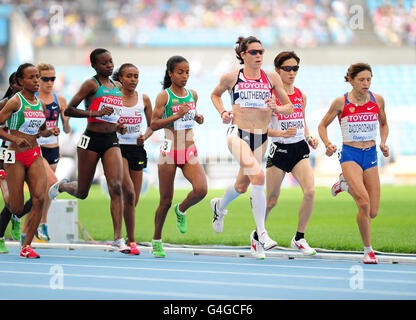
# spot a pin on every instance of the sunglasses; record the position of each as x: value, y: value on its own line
x: 254, y: 52
x: 290, y: 68
x: 46, y: 79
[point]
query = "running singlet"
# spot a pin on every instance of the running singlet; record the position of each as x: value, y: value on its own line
x: 282, y: 122
x: 52, y: 115
x: 174, y: 104
x: 132, y: 118
x: 28, y: 119
x: 251, y: 93
x: 105, y: 97
x: 359, y: 123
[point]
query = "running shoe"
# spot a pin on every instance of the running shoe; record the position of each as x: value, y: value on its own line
x: 256, y: 248
x: 181, y: 220
x: 54, y: 189
x: 370, y: 258
x: 266, y: 242
x: 27, y: 252
x: 121, y: 246
x: 218, y: 219
x: 158, y: 251
x: 42, y: 232
x: 133, y: 248
x: 16, y: 232
x: 3, y: 248
x: 303, y: 246
x: 340, y: 185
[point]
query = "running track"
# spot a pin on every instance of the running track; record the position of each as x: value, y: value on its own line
x: 98, y: 274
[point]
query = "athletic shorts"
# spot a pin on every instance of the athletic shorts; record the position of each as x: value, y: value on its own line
x: 253, y: 140
x: 286, y: 156
x: 27, y: 157
x: 50, y: 154
x: 365, y: 158
x: 136, y: 156
x: 181, y: 157
x: 98, y: 142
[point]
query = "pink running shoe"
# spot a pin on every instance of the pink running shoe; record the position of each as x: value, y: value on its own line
x: 370, y: 258
x: 27, y: 252
x: 133, y: 248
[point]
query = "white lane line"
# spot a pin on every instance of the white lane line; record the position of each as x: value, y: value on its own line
x: 216, y: 283
x: 218, y: 273
x: 140, y: 293
x: 260, y: 264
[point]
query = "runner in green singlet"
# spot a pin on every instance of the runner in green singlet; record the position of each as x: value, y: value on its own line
x: 175, y: 111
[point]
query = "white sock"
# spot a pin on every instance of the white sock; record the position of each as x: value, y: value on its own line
x: 16, y: 218
x: 229, y: 195
x: 368, y: 249
x: 258, y: 204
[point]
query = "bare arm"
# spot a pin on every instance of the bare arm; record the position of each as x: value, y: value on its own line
x: 88, y: 88
x: 225, y: 84
x: 157, y: 114
x: 277, y: 84
x: 334, y: 111
x: 65, y: 119
x: 311, y: 140
x: 384, y: 127
x: 148, y: 113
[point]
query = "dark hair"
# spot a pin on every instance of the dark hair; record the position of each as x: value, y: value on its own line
x: 10, y: 91
x: 243, y: 45
x: 20, y: 70
x: 170, y: 66
x: 119, y: 71
x: 355, y: 69
x: 95, y: 53
x: 283, y: 56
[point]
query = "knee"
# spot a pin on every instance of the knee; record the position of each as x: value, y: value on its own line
x: 271, y: 202
x: 165, y: 203
x: 309, y: 194
x: 259, y: 178
x: 373, y: 213
x: 241, y: 187
x: 129, y: 196
x: 114, y: 188
x: 363, y: 204
x: 37, y: 200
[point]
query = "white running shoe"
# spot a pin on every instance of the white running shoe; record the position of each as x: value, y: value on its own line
x: 54, y: 189
x: 339, y: 186
x: 218, y: 219
x: 303, y: 246
x: 121, y: 246
x: 370, y: 258
x: 266, y: 242
x: 256, y: 248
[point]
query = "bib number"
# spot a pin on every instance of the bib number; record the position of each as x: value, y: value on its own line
x: 272, y: 150
x: 10, y: 157
x: 166, y: 146
x: 84, y: 142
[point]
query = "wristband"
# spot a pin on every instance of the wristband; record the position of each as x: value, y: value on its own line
x: 327, y: 144
x: 223, y: 112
